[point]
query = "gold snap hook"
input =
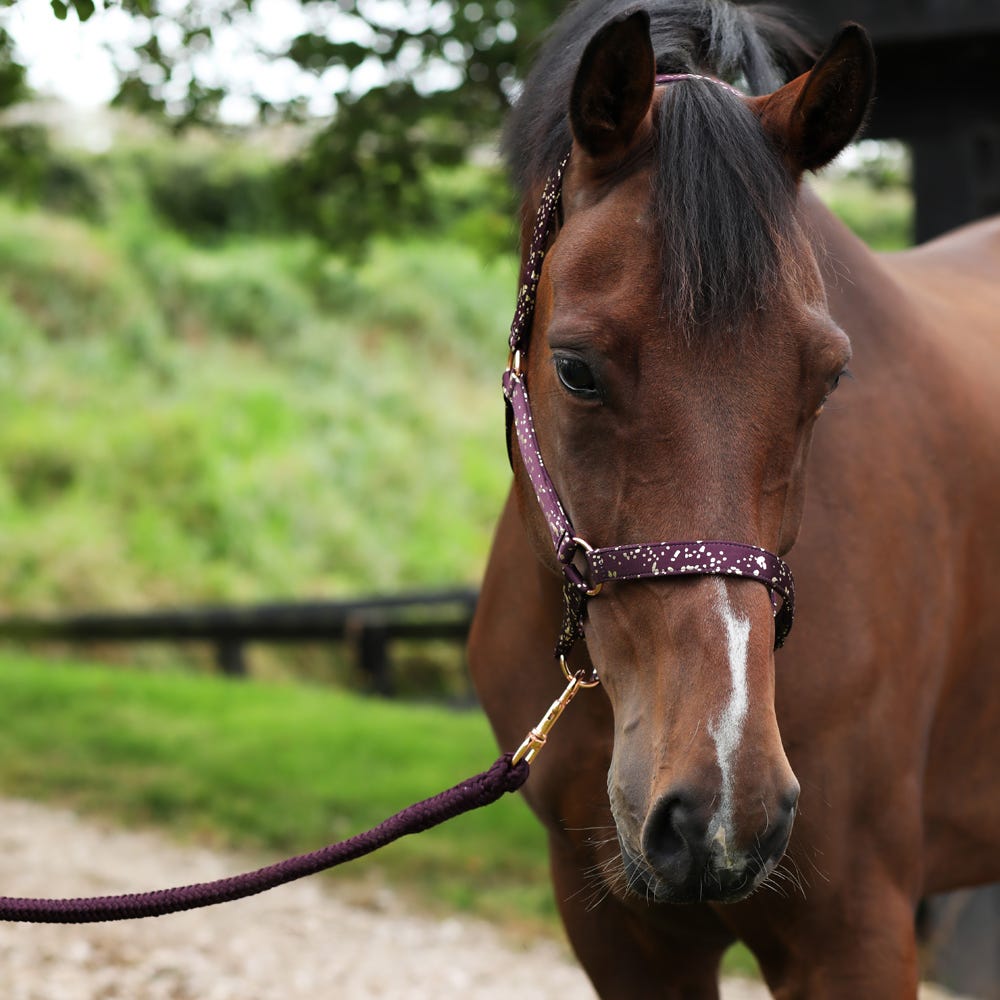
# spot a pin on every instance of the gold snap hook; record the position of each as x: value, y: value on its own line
x: 536, y: 738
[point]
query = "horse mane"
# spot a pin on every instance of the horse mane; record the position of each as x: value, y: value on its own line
x: 723, y: 202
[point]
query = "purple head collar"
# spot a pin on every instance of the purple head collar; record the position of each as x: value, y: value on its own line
x: 679, y: 77
x: 619, y: 562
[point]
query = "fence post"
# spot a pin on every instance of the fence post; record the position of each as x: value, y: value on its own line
x: 230, y: 659
x: 373, y: 658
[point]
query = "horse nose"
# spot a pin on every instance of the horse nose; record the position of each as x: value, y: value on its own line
x: 675, y: 837
x: 682, y: 841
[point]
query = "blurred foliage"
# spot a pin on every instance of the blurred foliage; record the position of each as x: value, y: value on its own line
x: 881, y: 164
x: 215, y: 188
x: 426, y: 52
x: 448, y: 76
x: 243, y: 417
x: 418, y: 86
x: 34, y: 170
x: 882, y: 216
x: 13, y: 86
x: 211, y: 194
x: 420, y: 90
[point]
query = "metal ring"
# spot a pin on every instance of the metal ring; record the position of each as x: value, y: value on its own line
x: 587, y: 547
x: 578, y: 677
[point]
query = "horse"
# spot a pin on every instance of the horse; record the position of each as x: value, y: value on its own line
x: 702, y: 336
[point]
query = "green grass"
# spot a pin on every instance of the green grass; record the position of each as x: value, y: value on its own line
x: 279, y: 768
x: 257, y: 420
x: 882, y: 217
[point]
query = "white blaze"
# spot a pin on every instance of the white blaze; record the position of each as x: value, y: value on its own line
x: 727, y: 728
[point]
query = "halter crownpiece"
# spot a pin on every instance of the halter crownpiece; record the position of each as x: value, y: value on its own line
x: 659, y: 560
x: 662, y: 78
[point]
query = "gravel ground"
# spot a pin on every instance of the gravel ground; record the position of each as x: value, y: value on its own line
x: 304, y: 941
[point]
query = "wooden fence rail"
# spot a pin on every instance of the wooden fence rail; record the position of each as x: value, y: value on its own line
x: 368, y: 624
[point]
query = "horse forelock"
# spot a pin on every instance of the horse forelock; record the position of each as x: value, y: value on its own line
x: 724, y: 210
x: 723, y: 205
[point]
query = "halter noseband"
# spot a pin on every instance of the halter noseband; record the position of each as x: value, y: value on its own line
x: 618, y: 562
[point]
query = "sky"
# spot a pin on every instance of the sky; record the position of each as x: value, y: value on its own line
x: 70, y: 60
x: 66, y: 58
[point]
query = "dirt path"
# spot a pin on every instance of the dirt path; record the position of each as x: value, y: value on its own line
x: 305, y: 941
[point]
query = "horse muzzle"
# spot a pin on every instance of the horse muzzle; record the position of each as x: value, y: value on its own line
x: 686, y: 855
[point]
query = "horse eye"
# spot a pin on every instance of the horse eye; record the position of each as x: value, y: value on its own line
x: 577, y: 377
x: 846, y: 373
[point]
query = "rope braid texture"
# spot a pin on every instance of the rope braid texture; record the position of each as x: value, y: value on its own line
x: 481, y: 790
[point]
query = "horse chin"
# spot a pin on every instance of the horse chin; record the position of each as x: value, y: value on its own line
x: 711, y: 884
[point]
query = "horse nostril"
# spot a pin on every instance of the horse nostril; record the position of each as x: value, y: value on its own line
x: 672, y: 832
x: 792, y: 798
x: 775, y: 838
x: 789, y: 803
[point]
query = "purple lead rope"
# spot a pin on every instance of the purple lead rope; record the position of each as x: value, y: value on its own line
x: 480, y: 790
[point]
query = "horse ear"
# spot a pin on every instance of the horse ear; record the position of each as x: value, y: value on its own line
x: 814, y: 117
x: 614, y: 85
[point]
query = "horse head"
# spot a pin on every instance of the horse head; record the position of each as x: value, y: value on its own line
x: 680, y: 353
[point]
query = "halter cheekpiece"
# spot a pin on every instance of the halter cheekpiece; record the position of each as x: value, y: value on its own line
x: 660, y: 560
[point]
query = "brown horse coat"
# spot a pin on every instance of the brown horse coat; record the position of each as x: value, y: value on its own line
x: 887, y: 694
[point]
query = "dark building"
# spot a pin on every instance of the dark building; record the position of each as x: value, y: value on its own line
x: 938, y: 91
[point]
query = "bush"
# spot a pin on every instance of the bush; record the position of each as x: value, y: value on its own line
x: 240, y: 291
x: 71, y: 280
x: 33, y: 171
x: 243, y: 421
x: 212, y: 193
